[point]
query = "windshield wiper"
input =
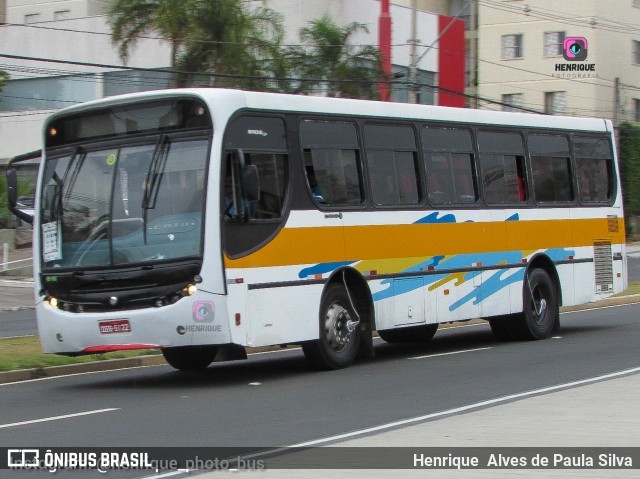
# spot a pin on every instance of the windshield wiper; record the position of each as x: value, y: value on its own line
x: 59, y: 201
x: 155, y: 172
x: 152, y: 184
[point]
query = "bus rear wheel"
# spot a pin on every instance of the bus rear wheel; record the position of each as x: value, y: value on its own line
x: 541, y: 313
x: 190, y: 358
x: 339, y: 338
x: 412, y: 334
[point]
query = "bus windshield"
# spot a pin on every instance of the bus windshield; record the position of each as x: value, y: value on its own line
x: 118, y: 205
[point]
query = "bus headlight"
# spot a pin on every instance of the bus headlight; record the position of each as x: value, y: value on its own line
x: 53, y: 302
x: 190, y: 290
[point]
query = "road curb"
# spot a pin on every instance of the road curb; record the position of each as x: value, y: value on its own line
x: 614, y: 301
x: 91, y: 367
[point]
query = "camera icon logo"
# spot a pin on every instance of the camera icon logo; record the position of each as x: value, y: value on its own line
x: 203, y: 311
x: 575, y: 49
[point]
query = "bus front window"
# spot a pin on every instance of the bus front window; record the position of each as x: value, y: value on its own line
x: 126, y: 205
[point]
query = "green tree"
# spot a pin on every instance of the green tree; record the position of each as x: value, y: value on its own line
x: 234, y: 46
x: 327, y: 60
x: 131, y: 20
x: 24, y: 187
x: 229, y: 44
x: 629, y: 139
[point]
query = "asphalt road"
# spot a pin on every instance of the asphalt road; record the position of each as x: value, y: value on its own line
x: 274, y: 400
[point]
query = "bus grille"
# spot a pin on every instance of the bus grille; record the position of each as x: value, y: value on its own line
x: 604, y: 266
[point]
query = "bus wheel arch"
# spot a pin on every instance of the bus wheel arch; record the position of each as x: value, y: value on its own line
x: 345, y: 322
x: 544, y: 262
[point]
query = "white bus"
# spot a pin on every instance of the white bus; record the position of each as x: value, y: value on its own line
x: 203, y: 221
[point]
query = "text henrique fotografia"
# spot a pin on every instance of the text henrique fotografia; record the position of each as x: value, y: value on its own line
x: 575, y: 51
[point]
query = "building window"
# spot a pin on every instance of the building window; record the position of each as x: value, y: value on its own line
x: 32, y: 18
x: 511, y: 46
x: 636, y: 52
x: 555, y: 102
x: 553, y: 43
x: 636, y: 110
x: 512, y: 102
x: 62, y: 15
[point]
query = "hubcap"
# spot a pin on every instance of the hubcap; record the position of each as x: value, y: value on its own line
x: 338, y: 327
x: 539, y: 305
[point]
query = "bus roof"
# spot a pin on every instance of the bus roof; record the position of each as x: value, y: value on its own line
x: 233, y: 100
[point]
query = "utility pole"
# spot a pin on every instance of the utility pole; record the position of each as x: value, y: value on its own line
x: 413, y: 62
x: 384, y: 44
x: 616, y: 113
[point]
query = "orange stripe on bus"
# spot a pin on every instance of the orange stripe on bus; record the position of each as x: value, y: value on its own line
x: 384, y: 242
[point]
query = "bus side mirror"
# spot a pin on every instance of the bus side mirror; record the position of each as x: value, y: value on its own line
x: 25, y: 214
x: 251, y: 183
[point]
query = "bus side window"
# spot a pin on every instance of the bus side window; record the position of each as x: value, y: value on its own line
x: 464, y: 178
x: 439, y: 183
x: 551, y: 167
x: 392, y: 161
x: 335, y: 175
x: 332, y: 162
x: 502, y: 165
x: 449, y: 161
x: 263, y: 143
x: 594, y: 168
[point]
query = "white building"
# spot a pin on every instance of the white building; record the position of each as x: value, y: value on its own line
x: 74, y: 37
x: 521, y: 62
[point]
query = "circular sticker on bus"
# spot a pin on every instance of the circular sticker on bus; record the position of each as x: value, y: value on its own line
x: 111, y: 159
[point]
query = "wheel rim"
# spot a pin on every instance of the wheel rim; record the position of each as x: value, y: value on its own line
x: 539, y: 303
x: 338, y: 327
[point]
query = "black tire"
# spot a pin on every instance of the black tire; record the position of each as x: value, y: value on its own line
x: 337, y: 345
x: 190, y: 358
x: 412, y: 334
x: 502, y: 327
x: 541, y: 313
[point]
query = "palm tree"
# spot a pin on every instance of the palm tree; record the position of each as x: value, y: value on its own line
x: 131, y: 20
x: 233, y: 46
x: 328, y: 61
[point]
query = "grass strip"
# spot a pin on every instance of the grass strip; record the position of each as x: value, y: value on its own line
x: 26, y: 353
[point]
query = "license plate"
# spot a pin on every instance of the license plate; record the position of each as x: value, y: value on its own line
x: 114, y: 326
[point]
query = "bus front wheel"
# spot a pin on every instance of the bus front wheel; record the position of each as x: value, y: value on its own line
x: 190, y: 358
x: 339, y: 338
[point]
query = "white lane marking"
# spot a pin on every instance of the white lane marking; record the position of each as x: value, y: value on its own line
x: 458, y: 410
x: 56, y: 418
x: 448, y: 354
x: 596, y: 308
